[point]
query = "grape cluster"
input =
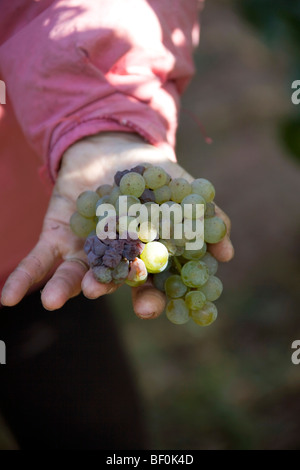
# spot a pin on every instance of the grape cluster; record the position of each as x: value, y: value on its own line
x: 186, y: 276
x: 109, y: 259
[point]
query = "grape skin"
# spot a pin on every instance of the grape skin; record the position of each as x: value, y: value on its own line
x: 206, y: 315
x: 160, y: 278
x: 211, y: 263
x: 81, y: 226
x: 210, y: 210
x: 132, y: 184
x: 103, y: 200
x: 204, y: 188
x: 162, y: 194
x: 104, y: 190
x: 189, y: 203
x: 120, y: 273
x: 114, y: 195
x: 195, y: 254
x: 102, y: 274
x: 214, y: 230
x: 195, y: 300
x: 155, y: 177
x: 177, y: 312
x: 147, y: 232
x: 212, y: 289
x: 180, y: 188
x: 170, y: 245
x: 155, y: 256
x: 194, y: 273
x: 129, y: 202
x: 137, y: 274
x: 174, y: 287
x: 86, y: 203
x: 147, y: 196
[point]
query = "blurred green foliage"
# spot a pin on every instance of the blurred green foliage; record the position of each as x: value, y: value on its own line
x: 278, y: 21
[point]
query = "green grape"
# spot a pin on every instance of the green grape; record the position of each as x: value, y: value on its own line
x: 155, y: 177
x: 211, y: 263
x: 195, y: 300
x: 206, y: 315
x: 179, y: 250
x: 86, y: 203
x: 170, y: 245
x: 132, y: 184
x: 189, y: 205
x: 81, y: 226
x: 180, y: 242
x: 147, y: 232
x: 180, y: 188
x: 210, y: 210
x: 195, y: 254
x: 114, y: 195
x: 194, y: 273
x: 214, y: 230
x: 188, y: 230
x: 204, y: 188
x: 129, y: 202
x: 174, y: 287
x: 212, y: 289
x: 160, y: 278
x: 103, y: 200
x: 168, y: 179
x: 104, y: 190
x: 162, y: 194
x: 177, y: 312
x: 155, y: 256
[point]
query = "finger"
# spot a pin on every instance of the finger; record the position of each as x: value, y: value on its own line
x: 92, y: 289
x: 225, y: 218
x: 148, y: 302
x: 64, y: 284
x: 222, y: 251
x: 32, y: 269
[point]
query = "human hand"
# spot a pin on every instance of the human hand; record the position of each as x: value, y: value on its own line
x: 85, y: 165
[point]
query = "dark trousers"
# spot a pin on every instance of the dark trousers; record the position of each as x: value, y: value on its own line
x: 67, y: 383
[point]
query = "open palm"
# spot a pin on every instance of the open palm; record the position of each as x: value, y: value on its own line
x: 86, y: 165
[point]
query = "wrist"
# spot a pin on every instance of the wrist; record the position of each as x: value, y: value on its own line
x: 95, y: 160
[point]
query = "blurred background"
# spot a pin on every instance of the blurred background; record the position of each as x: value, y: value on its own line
x: 233, y: 385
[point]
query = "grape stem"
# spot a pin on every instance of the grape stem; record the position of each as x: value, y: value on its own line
x: 177, y: 264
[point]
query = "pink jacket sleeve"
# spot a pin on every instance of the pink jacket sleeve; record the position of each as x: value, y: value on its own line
x: 76, y: 68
